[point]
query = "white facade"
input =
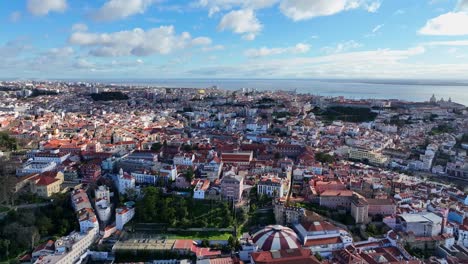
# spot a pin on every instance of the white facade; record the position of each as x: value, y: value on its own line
x: 102, y: 192
x: 271, y: 187
x: 31, y: 167
x: 125, y: 182
x: 317, y: 239
x: 200, y: 189
x: 257, y: 128
x: 122, y: 216
x: 88, y: 223
x: 103, y: 210
x: 69, y: 249
x: 199, y: 194
x: 144, y: 178
x: 171, y: 172
x: 463, y: 237
x: 52, y: 156
x: 247, y: 249
x: 424, y: 224
x: 185, y: 159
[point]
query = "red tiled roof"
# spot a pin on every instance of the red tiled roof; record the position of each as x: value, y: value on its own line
x: 318, y: 226
x: 45, y: 180
x: 296, y: 256
x: 323, y: 241
x: 183, y: 244
x: 227, y: 260
x: 337, y: 193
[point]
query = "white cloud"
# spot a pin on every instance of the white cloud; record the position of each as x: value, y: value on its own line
x: 55, y: 58
x: 377, y: 28
x: 202, y: 41
x: 215, y: 6
x: 449, y: 24
x: 373, y: 7
x: 43, y: 7
x: 299, y: 48
x: 242, y: 22
x: 83, y: 64
x: 119, y: 9
x: 383, y: 63
x: 462, y: 5
x: 249, y: 37
x: 60, y: 52
x: 79, y: 27
x: 342, y: 47
x: 15, y: 16
x: 213, y: 48
x: 13, y: 48
x: 447, y: 43
x: 138, y: 42
x: 305, y: 9
x: 399, y: 12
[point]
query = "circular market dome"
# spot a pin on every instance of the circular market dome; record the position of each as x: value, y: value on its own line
x: 276, y: 237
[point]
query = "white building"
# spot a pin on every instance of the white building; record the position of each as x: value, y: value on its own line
x: 102, y: 192
x: 323, y: 237
x: 144, y: 178
x: 422, y: 224
x: 247, y: 249
x: 125, y: 182
x: 103, y: 210
x: 70, y: 248
x: 84, y: 211
x: 201, y: 186
x: 123, y: 215
x: 184, y: 159
x: 211, y: 170
x: 257, y: 127
x: 271, y: 186
x: 169, y: 171
x: 463, y: 236
x: 53, y: 155
x: 34, y: 166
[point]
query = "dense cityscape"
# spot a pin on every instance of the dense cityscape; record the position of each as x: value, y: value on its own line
x: 101, y: 173
x: 234, y: 132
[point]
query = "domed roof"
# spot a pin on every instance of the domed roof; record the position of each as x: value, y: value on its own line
x: 276, y: 237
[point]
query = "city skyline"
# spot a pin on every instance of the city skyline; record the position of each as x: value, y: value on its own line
x: 234, y: 39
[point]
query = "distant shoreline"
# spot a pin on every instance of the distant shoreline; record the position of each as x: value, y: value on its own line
x: 386, y: 89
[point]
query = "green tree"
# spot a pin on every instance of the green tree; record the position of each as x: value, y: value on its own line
x: 372, y: 230
x: 44, y: 225
x: 189, y: 174
x: 7, y: 143
x: 324, y: 157
x: 205, y: 243
x: 4, y: 248
x: 232, y: 243
x: 156, y: 146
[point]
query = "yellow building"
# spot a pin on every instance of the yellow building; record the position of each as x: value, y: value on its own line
x: 47, y: 183
x: 373, y: 157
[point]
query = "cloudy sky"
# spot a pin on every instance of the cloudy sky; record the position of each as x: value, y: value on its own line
x: 131, y: 39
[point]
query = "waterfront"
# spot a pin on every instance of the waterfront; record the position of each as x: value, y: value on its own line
x: 354, y: 89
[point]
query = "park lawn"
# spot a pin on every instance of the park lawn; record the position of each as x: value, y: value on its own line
x: 210, y: 235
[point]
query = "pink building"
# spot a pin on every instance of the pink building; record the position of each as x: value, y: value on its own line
x: 321, y: 186
x: 232, y: 186
x: 336, y: 198
x: 381, y: 206
x: 91, y: 172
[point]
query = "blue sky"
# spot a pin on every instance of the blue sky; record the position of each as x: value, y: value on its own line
x: 131, y: 39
